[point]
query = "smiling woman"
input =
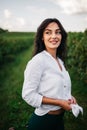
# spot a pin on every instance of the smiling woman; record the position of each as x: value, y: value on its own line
x: 52, y: 37
x: 47, y: 84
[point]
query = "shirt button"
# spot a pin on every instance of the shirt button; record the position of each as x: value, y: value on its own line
x: 64, y: 86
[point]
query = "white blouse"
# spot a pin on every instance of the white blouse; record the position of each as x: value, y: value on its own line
x: 43, y: 77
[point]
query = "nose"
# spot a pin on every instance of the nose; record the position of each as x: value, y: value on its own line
x: 53, y: 35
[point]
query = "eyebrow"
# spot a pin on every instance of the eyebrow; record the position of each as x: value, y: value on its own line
x: 51, y: 30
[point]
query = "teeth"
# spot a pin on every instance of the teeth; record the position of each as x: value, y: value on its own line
x: 53, y: 41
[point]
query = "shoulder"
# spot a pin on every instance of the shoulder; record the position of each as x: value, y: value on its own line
x: 38, y: 57
x: 36, y: 60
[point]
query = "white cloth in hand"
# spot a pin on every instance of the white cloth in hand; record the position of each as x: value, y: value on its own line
x: 76, y: 109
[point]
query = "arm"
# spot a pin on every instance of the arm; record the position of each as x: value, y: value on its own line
x: 65, y: 104
x: 32, y: 76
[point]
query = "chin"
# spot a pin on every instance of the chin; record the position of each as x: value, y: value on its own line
x: 55, y: 47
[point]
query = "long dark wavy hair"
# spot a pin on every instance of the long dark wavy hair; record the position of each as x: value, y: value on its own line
x: 39, y: 43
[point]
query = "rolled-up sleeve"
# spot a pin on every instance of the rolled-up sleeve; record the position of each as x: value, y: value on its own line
x: 32, y: 77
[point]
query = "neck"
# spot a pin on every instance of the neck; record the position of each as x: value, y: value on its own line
x: 52, y: 52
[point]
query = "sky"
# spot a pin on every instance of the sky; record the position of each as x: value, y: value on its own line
x: 27, y: 15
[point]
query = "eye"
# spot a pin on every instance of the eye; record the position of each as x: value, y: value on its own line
x: 58, y: 32
x: 48, y: 32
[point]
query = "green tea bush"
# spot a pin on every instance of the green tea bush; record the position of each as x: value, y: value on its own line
x: 77, y: 54
x: 12, y: 46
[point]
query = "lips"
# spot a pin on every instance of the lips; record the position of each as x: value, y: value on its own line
x: 54, y: 42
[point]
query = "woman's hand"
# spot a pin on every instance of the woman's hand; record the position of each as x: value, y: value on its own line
x: 73, y: 100
x: 65, y: 104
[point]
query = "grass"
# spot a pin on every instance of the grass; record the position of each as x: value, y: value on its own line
x: 14, y: 112
x: 13, y: 107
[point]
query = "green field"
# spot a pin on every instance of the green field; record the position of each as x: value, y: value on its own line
x: 14, y: 112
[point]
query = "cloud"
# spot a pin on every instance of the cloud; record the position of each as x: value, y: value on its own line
x: 86, y: 19
x: 27, y: 17
x: 72, y: 6
x: 7, y: 25
x: 35, y: 9
x: 12, y: 22
x: 21, y: 21
x: 7, y: 13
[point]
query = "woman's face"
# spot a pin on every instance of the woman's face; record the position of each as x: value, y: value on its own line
x: 52, y: 36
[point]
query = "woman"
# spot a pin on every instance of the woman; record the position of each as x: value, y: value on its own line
x: 47, y: 85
